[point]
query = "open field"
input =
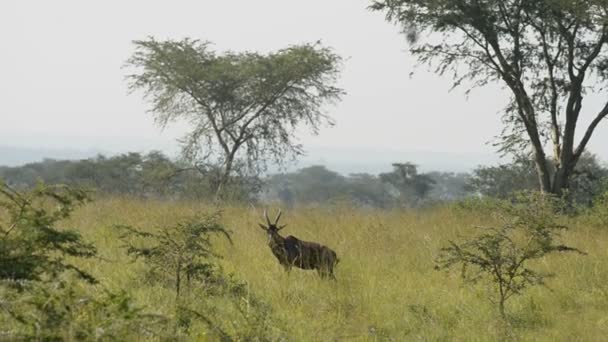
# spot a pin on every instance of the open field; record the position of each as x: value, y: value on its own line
x: 387, y: 288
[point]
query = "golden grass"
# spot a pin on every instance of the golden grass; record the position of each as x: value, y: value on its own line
x: 387, y: 288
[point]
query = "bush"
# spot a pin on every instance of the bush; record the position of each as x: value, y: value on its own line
x: 528, y: 231
x: 179, y: 253
x: 31, y: 246
x: 181, y: 256
x: 64, y: 311
x: 43, y: 295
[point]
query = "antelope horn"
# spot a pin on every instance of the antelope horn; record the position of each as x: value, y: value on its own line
x: 266, y: 216
x: 278, y: 217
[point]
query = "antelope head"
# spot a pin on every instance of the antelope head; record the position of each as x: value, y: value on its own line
x: 272, y: 229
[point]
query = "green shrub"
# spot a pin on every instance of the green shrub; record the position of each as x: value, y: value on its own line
x: 529, y: 229
x: 64, y: 311
x: 31, y: 246
x: 42, y: 292
x: 177, y: 254
x: 181, y: 256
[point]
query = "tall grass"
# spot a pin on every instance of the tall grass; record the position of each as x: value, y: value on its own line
x: 387, y: 288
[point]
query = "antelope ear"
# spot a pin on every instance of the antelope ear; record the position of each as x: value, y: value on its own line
x: 281, y: 227
x: 263, y: 226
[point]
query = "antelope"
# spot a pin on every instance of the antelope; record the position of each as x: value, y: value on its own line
x: 291, y: 251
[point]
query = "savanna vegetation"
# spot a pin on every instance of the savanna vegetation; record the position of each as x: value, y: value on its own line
x: 144, y: 247
x: 187, y: 270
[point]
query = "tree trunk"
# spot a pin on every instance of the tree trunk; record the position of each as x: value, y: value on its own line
x: 560, y: 181
x: 225, y: 176
x: 542, y: 171
x: 501, y: 308
x: 528, y: 117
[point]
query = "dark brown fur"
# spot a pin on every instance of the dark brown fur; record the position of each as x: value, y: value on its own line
x: 291, y: 251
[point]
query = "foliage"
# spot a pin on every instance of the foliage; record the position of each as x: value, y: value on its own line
x: 150, y: 175
x: 448, y: 186
x: 244, y: 107
x: 134, y: 174
x: 547, y: 53
x: 503, y: 180
x: 31, y: 246
x: 182, y: 255
x: 61, y: 310
x: 239, y: 187
x: 177, y: 252
x: 154, y: 175
x: 368, y: 191
x: 317, y: 184
x: 40, y: 299
x: 528, y: 230
x: 412, y: 186
x: 589, y: 181
x: 307, y: 185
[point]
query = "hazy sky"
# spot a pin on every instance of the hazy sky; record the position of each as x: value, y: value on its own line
x: 62, y: 86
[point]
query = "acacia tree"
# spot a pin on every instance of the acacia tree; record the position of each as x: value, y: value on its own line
x: 243, y: 107
x: 548, y: 54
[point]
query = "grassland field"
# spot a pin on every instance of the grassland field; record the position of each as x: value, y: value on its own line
x: 386, y: 288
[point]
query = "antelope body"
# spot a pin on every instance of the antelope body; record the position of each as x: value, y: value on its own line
x: 291, y: 251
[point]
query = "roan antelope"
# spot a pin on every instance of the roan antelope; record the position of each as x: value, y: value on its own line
x: 291, y: 251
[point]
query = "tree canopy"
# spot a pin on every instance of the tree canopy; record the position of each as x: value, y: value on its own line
x: 243, y: 107
x: 548, y: 54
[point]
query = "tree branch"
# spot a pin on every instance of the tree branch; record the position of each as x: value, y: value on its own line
x: 594, y: 53
x: 581, y: 146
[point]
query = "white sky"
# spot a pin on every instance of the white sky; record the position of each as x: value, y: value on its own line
x: 62, y: 86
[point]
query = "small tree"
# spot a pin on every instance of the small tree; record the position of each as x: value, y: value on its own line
x: 528, y: 231
x: 244, y: 107
x: 177, y: 252
x: 32, y: 248
x: 182, y: 254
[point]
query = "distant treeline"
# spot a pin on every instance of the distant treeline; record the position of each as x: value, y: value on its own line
x: 154, y: 175
x: 145, y: 175
x: 402, y: 187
